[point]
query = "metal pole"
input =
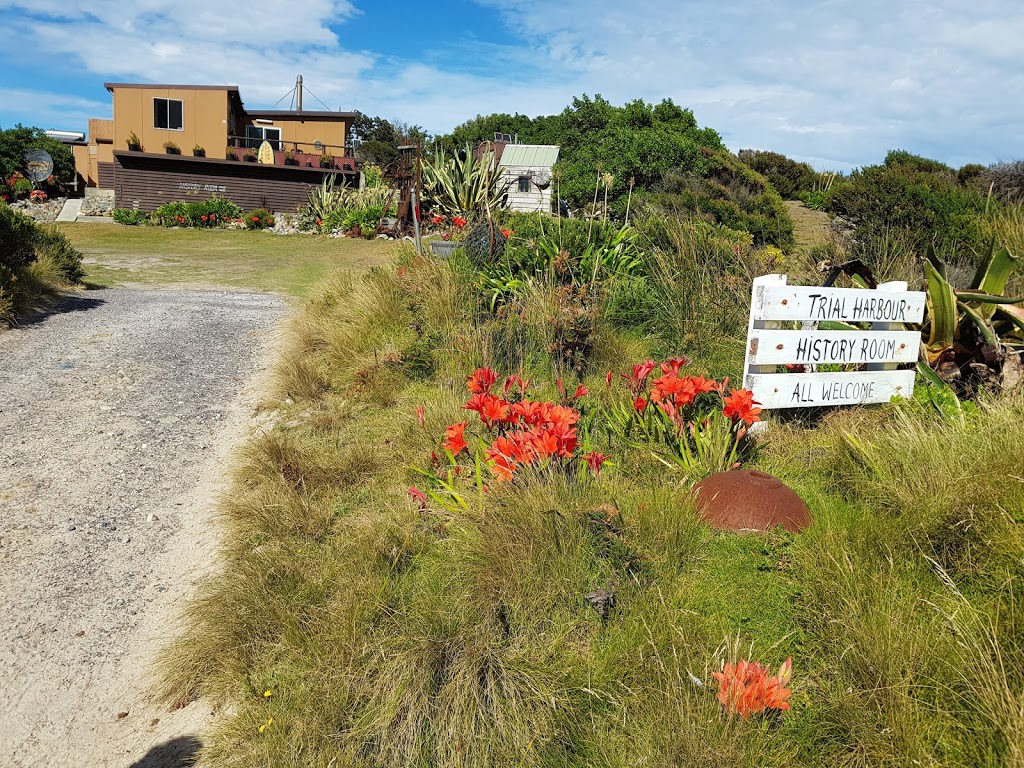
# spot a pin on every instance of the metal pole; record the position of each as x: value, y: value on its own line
x: 416, y: 223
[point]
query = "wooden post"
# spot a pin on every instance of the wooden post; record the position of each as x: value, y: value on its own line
x: 896, y: 286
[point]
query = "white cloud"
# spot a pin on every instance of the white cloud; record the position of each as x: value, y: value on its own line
x: 839, y: 81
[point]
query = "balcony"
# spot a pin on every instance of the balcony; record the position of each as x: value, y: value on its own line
x: 303, y: 155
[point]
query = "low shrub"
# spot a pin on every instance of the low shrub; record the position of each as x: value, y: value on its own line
x: 214, y: 212
x: 129, y: 216
x: 17, y: 238
x: 791, y: 179
x: 260, y: 218
x: 53, y: 245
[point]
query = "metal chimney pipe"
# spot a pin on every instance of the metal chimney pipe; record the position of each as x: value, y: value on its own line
x: 298, y: 93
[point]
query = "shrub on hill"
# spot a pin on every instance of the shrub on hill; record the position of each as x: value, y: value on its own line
x: 919, y: 197
x: 790, y: 178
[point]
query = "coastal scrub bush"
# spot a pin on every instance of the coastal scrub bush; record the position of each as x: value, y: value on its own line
x: 53, y: 246
x: 791, y: 179
x: 129, y: 216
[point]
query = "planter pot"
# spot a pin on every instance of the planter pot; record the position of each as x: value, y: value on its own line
x: 172, y: 151
x: 230, y: 157
x: 309, y: 165
x: 134, y: 147
x: 444, y: 248
x: 249, y: 159
x: 290, y: 162
x: 325, y: 165
x: 198, y: 153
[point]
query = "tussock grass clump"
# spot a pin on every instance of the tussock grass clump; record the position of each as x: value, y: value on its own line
x: 559, y: 621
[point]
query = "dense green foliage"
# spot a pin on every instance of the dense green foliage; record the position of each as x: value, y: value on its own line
x: 638, y: 141
x: 198, y: 213
x: 790, y: 178
x: 35, y: 261
x: 15, y: 141
x: 919, y: 198
x: 129, y: 216
x: 726, y: 191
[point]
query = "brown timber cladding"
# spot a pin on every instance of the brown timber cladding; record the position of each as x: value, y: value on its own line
x: 147, y: 181
x: 105, y: 172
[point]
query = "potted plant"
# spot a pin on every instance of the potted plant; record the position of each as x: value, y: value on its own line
x: 249, y: 155
x: 229, y: 154
x: 289, y: 158
x: 134, y: 145
x: 198, y: 151
x: 326, y: 160
x: 171, y: 148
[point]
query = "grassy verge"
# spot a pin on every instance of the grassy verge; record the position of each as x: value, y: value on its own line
x: 352, y: 628
x: 116, y: 255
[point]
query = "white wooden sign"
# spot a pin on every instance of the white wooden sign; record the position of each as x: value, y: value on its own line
x: 870, y: 356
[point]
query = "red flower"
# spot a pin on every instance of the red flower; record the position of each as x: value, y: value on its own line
x: 639, y: 405
x: 507, y: 232
x: 454, y: 442
x: 545, y: 443
x: 741, y: 406
x: 481, y: 380
x: 436, y: 220
x: 421, y: 416
x: 594, y: 461
x: 255, y: 218
x: 458, y: 222
x: 532, y: 413
x: 203, y: 217
x: 608, y: 380
x: 581, y: 391
x: 495, y: 410
x: 516, y: 380
x: 477, y: 402
x: 640, y: 374
x: 419, y: 495
x: 746, y: 688
x: 672, y: 365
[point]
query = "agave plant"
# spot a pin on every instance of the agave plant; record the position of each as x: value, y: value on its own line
x: 976, y: 328
x: 461, y: 186
x: 326, y: 198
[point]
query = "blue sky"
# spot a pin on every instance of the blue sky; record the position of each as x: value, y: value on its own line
x: 834, y: 82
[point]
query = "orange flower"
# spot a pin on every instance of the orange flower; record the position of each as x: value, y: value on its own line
x: 741, y: 406
x: 746, y: 688
x: 495, y: 410
x: 581, y: 391
x: 594, y: 461
x: 672, y: 365
x: 639, y: 405
x: 458, y: 222
x: 639, y: 376
x: 507, y: 232
x: 454, y: 442
x: 481, y: 380
x: 421, y: 416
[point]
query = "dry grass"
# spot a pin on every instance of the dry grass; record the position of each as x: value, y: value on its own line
x: 391, y: 636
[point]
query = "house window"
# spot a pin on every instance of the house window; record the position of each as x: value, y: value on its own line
x: 168, y: 114
x: 257, y: 134
x: 524, y: 183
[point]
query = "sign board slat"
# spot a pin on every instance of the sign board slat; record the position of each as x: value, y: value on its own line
x: 854, y: 305
x: 804, y: 390
x: 811, y: 347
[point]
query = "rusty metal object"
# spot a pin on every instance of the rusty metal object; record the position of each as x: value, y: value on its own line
x: 748, y: 500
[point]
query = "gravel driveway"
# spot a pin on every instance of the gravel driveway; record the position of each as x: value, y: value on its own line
x: 118, y: 412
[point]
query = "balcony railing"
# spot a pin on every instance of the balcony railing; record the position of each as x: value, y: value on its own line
x: 302, y: 154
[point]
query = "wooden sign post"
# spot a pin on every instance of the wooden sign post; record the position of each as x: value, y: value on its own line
x: 876, y: 352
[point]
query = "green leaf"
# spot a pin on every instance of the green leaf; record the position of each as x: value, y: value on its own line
x: 942, y: 309
x: 982, y: 324
x: 993, y: 274
x: 986, y: 298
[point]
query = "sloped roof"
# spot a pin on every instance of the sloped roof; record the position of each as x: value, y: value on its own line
x: 530, y: 155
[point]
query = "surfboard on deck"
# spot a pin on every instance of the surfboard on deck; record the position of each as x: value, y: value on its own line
x: 266, y: 153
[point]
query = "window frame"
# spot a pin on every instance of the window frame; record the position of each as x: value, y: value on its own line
x: 167, y: 109
x: 527, y: 182
x: 275, y: 143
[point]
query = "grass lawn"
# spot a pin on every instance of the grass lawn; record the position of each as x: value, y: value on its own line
x: 121, y: 255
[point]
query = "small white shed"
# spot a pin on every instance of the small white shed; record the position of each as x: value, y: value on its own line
x: 526, y: 168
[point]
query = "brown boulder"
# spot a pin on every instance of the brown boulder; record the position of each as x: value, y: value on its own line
x: 749, y: 500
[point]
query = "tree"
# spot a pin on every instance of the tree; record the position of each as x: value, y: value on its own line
x: 379, y: 138
x: 15, y: 141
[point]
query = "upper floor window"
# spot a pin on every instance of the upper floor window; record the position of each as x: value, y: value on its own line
x: 168, y: 114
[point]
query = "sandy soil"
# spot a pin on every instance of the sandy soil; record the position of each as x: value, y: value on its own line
x: 118, y: 413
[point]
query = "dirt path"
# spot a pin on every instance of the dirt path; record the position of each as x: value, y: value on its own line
x: 117, y: 416
x: 809, y: 227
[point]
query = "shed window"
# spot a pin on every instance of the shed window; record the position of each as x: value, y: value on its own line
x: 524, y: 183
x: 168, y: 114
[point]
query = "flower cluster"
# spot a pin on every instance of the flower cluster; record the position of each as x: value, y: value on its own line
x: 525, y: 432
x: 746, y: 688
x: 37, y: 196
x: 671, y: 392
x: 452, y: 231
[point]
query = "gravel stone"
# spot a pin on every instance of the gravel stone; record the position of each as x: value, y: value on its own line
x: 81, y: 389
